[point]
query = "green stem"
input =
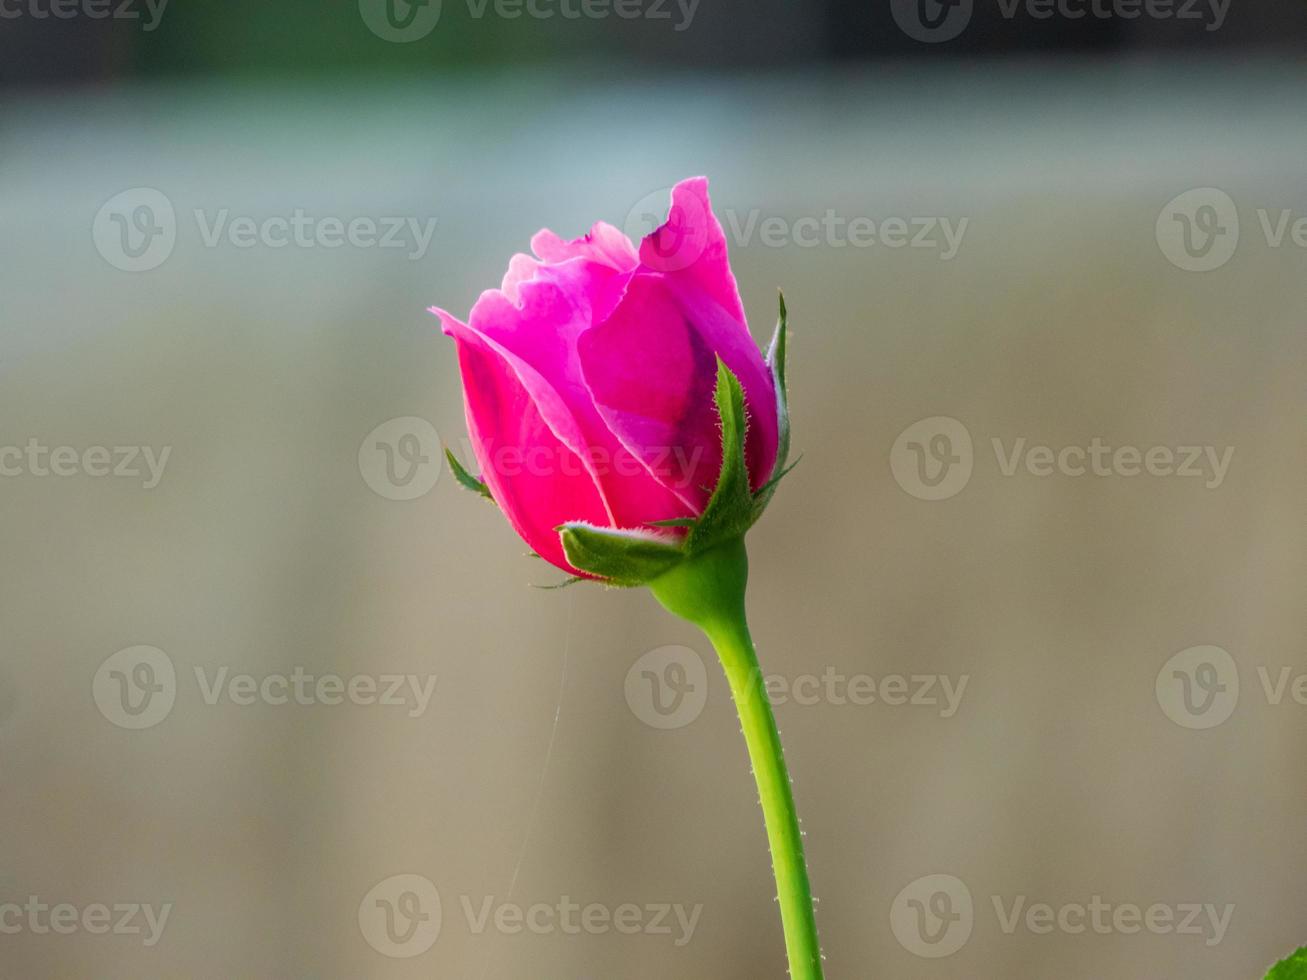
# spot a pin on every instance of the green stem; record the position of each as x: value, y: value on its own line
x: 708, y: 590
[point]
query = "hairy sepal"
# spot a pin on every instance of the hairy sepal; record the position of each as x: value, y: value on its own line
x: 465, y: 479
x: 621, y: 557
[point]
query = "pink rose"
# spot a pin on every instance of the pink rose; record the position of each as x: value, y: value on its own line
x: 590, y: 378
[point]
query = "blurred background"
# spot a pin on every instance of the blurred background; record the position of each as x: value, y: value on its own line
x: 278, y: 699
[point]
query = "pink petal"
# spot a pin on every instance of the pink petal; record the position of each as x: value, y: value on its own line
x: 604, y: 244
x: 521, y: 268
x: 691, y: 247
x: 534, y: 477
x: 538, y: 334
x: 652, y: 370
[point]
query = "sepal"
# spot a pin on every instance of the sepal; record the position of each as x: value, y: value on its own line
x: 465, y: 479
x: 730, y: 511
x: 776, y: 362
x: 619, y: 557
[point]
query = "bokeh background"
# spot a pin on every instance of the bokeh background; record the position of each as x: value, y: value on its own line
x: 1126, y: 265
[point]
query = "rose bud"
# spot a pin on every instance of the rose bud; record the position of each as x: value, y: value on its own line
x: 621, y: 415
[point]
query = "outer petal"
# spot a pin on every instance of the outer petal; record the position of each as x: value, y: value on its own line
x: 534, y: 477
x: 652, y: 367
x: 690, y: 247
x: 539, y: 335
x: 689, y: 250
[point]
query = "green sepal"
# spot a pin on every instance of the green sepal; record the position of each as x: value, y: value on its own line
x: 570, y: 580
x: 776, y: 362
x: 765, y: 491
x: 620, y: 557
x: 466, y: 479
x: 1291, y: 968
x: 730, y: 511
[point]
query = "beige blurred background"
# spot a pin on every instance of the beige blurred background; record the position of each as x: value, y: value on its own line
x: 531, y: 776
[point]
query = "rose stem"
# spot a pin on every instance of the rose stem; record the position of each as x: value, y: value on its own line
x: 708, y: 590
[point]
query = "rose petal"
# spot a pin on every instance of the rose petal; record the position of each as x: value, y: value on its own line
x: 689, y: 249
x: 541, y: 332
x: 534, y: 477
x: 604, y: 243
x: 691, y: 246
x: 652, y: 370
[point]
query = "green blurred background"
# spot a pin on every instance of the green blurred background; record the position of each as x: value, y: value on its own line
x: 1068, y: 157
